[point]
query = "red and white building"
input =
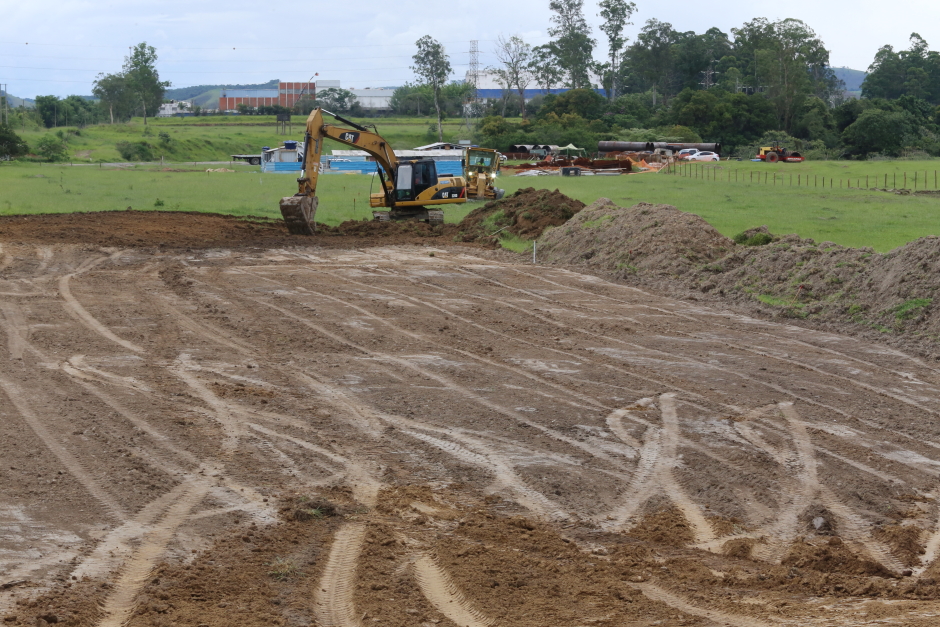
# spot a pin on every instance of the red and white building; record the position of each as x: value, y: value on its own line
x: 285, y: 95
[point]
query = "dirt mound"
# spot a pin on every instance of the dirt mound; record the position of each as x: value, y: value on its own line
x: 888, y: 294
x: 645, y: 237
x: 525, y: 213
x: 178, y: 229
x: 891, y: 293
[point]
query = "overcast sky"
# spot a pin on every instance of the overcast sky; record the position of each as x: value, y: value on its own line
x: 59, y: 48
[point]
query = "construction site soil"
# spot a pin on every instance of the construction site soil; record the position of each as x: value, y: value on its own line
x: 525, y: 214
x: 887, y: 297
x: 207, y: 422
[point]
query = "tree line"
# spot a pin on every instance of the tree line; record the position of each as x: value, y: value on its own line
x: 763, y: 80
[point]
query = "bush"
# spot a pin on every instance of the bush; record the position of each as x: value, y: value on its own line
x: 135, y: 151
x: 11, y: 144
x: 51, y: 148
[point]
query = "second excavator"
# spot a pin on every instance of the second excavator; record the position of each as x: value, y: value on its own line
x: 409, y: 186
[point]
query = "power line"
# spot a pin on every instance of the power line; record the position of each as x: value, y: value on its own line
x: 15, y: 43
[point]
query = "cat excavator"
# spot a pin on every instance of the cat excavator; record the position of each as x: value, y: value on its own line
x: 409, y: 186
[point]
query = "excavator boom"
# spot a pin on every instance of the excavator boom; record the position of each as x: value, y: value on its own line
x: 407, y: 185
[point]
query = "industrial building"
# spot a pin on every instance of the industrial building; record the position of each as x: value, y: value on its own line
x: 285, y: 95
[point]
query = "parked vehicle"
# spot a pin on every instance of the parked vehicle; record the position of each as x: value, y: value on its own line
x: 703, y: 155
x: 685, y: 153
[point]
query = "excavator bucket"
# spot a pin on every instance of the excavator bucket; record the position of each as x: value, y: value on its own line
x: 299, y: 213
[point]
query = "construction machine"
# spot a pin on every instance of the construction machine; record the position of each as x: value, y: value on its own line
x: 409, y: 186
x: 775, y: 153
x: 481, y: 165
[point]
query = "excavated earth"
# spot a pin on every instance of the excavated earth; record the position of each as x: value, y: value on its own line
x: 332, y: 431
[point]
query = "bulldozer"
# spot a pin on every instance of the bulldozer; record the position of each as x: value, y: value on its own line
x: 409, y: 186
x: 481, y: 166
x: 775, y: 153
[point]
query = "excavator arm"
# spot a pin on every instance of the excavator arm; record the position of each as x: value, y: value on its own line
x: 300, y: 209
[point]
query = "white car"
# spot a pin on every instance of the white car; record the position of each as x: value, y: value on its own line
x: 705, y: 156
x: 685, y: 153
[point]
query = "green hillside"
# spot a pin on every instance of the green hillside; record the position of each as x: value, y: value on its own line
x: 208, y: 95
x: 852, y: 78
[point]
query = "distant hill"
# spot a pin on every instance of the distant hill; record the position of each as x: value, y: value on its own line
x: 852, y: 78
x: 16, y: 102
x: 203, y: 95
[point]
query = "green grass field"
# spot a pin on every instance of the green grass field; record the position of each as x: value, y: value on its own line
x: 851, y: 217
x: 214, y: 138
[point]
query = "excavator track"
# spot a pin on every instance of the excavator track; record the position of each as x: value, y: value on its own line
x: 419, y: 214
x: 299, y: 213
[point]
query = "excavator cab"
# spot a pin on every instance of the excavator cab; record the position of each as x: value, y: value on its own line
x: 413, y: 178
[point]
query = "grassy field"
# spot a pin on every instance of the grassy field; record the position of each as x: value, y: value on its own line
x: 214, y: 138
x: 851, y: 217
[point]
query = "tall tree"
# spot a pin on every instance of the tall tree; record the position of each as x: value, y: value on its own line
x: 572, y: 45
x: 545, y: 68
x: 111, y: 90
x: 652, y: 57
x: 143, y: 79
x: 616, y: 14
x: 432, y: 66
x: 786, y: 65
x: 515, y: 56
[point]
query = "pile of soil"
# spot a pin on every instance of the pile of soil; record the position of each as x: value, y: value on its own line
x: 525, y: 214
x: 838, y: 288
x: 180, y: 229
x: 643, y: 238
x: 798, y: 278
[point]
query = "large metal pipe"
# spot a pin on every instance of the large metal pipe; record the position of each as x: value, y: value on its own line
x: 651, y: 146
x: 625, y: 146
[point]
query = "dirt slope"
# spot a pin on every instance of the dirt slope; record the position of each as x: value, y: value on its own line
x: 525, y: 213
x: 838, y: 288
x: 648, y: 238
x: 376, y: 436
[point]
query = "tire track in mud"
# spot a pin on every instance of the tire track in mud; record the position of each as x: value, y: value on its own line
x: 532, y: 500
x: 16, y: 328
x: 427, y: 339
x: 807, y: 491
x: 70, y: 462
x: 673, y: 356
x: 75, y: 308
x: 335, y: 605
x: 655, y: 471
x: 232, y: 429
x: 365, y: 487
x: 372, y: 422
x: 731, y: 328
x: 661, y: 595
x: 444, y: 381
x: 443, y: 593
x: 786, y: 526
x: 121, y: 603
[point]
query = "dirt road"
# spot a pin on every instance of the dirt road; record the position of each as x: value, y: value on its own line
x: 419, y: 436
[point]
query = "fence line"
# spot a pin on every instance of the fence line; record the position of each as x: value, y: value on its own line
x: 921, y: 178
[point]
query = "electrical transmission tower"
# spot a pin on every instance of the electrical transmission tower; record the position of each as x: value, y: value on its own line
x: 473, y: 79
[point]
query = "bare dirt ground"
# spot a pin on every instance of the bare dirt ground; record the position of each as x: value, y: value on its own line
x: 414, y: 435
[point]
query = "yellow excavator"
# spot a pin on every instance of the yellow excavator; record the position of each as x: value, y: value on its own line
x: 409, y: 186
x: 481, y: 165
